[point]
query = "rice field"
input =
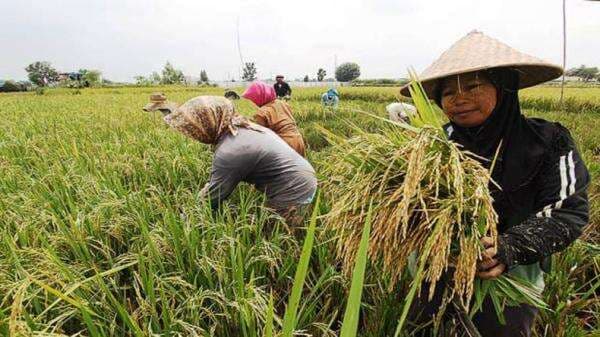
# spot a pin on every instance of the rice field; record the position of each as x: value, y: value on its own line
x: 103, y: 231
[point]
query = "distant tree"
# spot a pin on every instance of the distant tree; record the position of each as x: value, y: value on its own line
x: 143, y: 81
x: 347, y: 72
x: 321, y: 73
x: 203, y: 76
x: 90, y: 78
x: 249, y: 72
x: 12, y: 86
x: 155, y: 78
x: 583, y: 72
x: 41, y: 73
x: 170, y: 75
x: 306, y: 78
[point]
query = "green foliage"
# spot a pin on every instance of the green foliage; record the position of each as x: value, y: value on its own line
x: 291, y: 312
x: 90, y: 78
x: 203, y: 76
x: 12, y: 86
x: 347, y: 72
x: 585, y: 73
x: 350, y: 323
x: 306, y: 78
x: 170, y: 75
x: 381, y: 82
x: 249, y: 72
x: 40, y: 70
x: 99, y: 202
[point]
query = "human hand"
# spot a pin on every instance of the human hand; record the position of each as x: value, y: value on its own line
x: 489, y: 267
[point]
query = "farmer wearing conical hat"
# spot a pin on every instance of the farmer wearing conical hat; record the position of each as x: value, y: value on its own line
x: 275, y: 114
x: 542, y: 204
x: 159, y: 102
x: 245, y: 151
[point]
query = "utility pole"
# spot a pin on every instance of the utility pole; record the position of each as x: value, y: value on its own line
x: 334, y: 66
x: 562, y: 86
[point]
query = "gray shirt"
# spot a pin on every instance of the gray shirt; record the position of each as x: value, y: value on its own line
x: 264, y: 160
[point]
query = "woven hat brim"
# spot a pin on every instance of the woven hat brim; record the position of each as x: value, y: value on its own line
x: 155, y: 106
x: 529, y: 75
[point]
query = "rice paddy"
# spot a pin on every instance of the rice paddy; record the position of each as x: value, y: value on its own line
x: 103, y: 232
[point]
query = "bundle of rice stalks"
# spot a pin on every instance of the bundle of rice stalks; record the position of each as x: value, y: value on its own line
x: 428, y: 197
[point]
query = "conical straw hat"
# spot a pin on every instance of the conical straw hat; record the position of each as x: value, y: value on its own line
x: 476, y: 51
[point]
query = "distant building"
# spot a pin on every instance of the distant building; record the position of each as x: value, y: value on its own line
x: 74, y: 76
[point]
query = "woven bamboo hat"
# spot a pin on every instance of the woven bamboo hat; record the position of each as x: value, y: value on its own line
x: 158, y: 101
x: 477, y: 51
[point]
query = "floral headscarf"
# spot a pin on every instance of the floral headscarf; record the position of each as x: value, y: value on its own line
x: 206, y: 118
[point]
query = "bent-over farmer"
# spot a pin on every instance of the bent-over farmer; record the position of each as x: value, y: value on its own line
x: 245, y: 151
x: 330, y: 99
x: 400, y: 111
x: 275, y: 114
x: 542, y: 201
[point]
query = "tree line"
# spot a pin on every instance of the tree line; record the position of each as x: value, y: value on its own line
x: 42, y: 74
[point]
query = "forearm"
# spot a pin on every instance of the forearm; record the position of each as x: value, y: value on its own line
x: 535, y: 239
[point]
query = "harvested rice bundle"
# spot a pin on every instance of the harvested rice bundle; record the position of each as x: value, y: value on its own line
x: 428, y: 197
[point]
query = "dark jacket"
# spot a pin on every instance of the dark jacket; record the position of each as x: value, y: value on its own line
x: 282, y: 89
x: 548, y: 212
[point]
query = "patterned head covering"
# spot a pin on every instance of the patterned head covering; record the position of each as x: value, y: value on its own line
x: 206, y: 118
x: 260, y: 93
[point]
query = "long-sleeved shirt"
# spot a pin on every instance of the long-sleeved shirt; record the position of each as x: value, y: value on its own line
x: 282, y: 89
x: 277, y: 116
x: 549, y: 213
x: 264, y: 160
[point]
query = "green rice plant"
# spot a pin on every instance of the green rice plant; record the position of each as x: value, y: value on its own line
x: 291, y: 312
x: 91, y: 184
x: 350, y: 323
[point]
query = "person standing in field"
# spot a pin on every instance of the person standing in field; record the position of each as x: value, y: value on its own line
x: 159, y: 102
x: 282, y: 89
x: 275, y: 114
x: 541, y: 197
x: 245, y: 151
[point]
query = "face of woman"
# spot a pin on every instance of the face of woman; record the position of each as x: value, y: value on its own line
x: 468, y: 99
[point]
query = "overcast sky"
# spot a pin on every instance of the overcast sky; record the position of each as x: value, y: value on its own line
x: 125, y: 38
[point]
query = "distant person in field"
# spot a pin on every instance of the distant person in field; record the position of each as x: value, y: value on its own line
x: 245, y: 151
x: 330, y: 99
x: 541, y: 181
x: 282, y: 89
x: 275, y: 114
x: 159, y: 102
x: 231, y: 95
x: 400, y: 112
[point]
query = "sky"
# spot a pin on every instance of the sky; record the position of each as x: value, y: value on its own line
x: 125, y: 38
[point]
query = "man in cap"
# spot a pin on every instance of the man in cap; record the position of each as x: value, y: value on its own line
x: 159, y: 102
x: 282, y: 89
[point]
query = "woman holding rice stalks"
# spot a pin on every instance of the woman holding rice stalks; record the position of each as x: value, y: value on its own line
x: 540, y: 190
x: 275, y: 114
x: 244, y: 151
